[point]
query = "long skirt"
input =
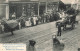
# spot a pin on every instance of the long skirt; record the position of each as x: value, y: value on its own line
x: 28, y: 23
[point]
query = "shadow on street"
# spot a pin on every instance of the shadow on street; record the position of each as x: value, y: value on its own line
x: 58, y: 47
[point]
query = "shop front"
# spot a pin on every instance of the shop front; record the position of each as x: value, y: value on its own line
x: 25, y: 9
x: 52, y: 7
x: 42, y: 8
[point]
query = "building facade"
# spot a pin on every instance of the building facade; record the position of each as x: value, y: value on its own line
x: 26, y: 7
x: 78, y: 4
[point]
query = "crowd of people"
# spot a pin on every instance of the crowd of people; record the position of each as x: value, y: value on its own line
x: 33, y: 20
x: 36, y: 20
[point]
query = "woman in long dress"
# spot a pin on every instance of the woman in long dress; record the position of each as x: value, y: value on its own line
x: 34, y: 20
x: 28, y: 22
x: 14, y: 15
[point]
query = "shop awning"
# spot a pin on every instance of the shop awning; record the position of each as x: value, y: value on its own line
x: 69, y: 1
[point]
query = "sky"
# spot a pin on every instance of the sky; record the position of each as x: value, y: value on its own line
x: 68, y: 1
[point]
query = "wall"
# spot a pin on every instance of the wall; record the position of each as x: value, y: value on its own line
x: 2, y: 11
x: 3, y: 4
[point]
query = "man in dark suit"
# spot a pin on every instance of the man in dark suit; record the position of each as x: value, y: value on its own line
x: 59, y: 29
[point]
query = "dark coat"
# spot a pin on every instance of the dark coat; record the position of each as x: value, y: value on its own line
x: 59, y: 27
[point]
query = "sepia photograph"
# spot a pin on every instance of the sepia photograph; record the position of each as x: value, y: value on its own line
x: 39, y: 25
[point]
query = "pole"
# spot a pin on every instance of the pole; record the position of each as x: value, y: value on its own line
x: 58, y: 5
x: 7, y: 12
x: 77, y: 4
x: 38, y: 8
x: 46, y: 6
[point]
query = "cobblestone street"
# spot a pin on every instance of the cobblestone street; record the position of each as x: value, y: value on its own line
x: 42, y: 34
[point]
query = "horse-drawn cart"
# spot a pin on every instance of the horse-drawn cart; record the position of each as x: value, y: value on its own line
x: 69, y: 20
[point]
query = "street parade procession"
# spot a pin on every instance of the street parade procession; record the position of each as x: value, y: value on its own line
x: 41, y: 25
x: 62, y: 20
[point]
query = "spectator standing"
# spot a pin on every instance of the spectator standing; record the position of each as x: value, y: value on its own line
x: 22, y: 23
x: 50, y: 19
x: 2, y: 27
x: 45, y: 18
x: 42, y: 19
x: 27, y: 22
x: 37, y: 21
x: 14, y: 15
x: 34, y: 20
x: 19, y: 25
x: 32, y: 23
x: 59, y: 29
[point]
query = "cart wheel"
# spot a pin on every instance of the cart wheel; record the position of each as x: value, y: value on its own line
x: 64, y: 28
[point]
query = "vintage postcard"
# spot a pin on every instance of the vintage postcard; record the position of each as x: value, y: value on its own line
x: 39, y: 25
